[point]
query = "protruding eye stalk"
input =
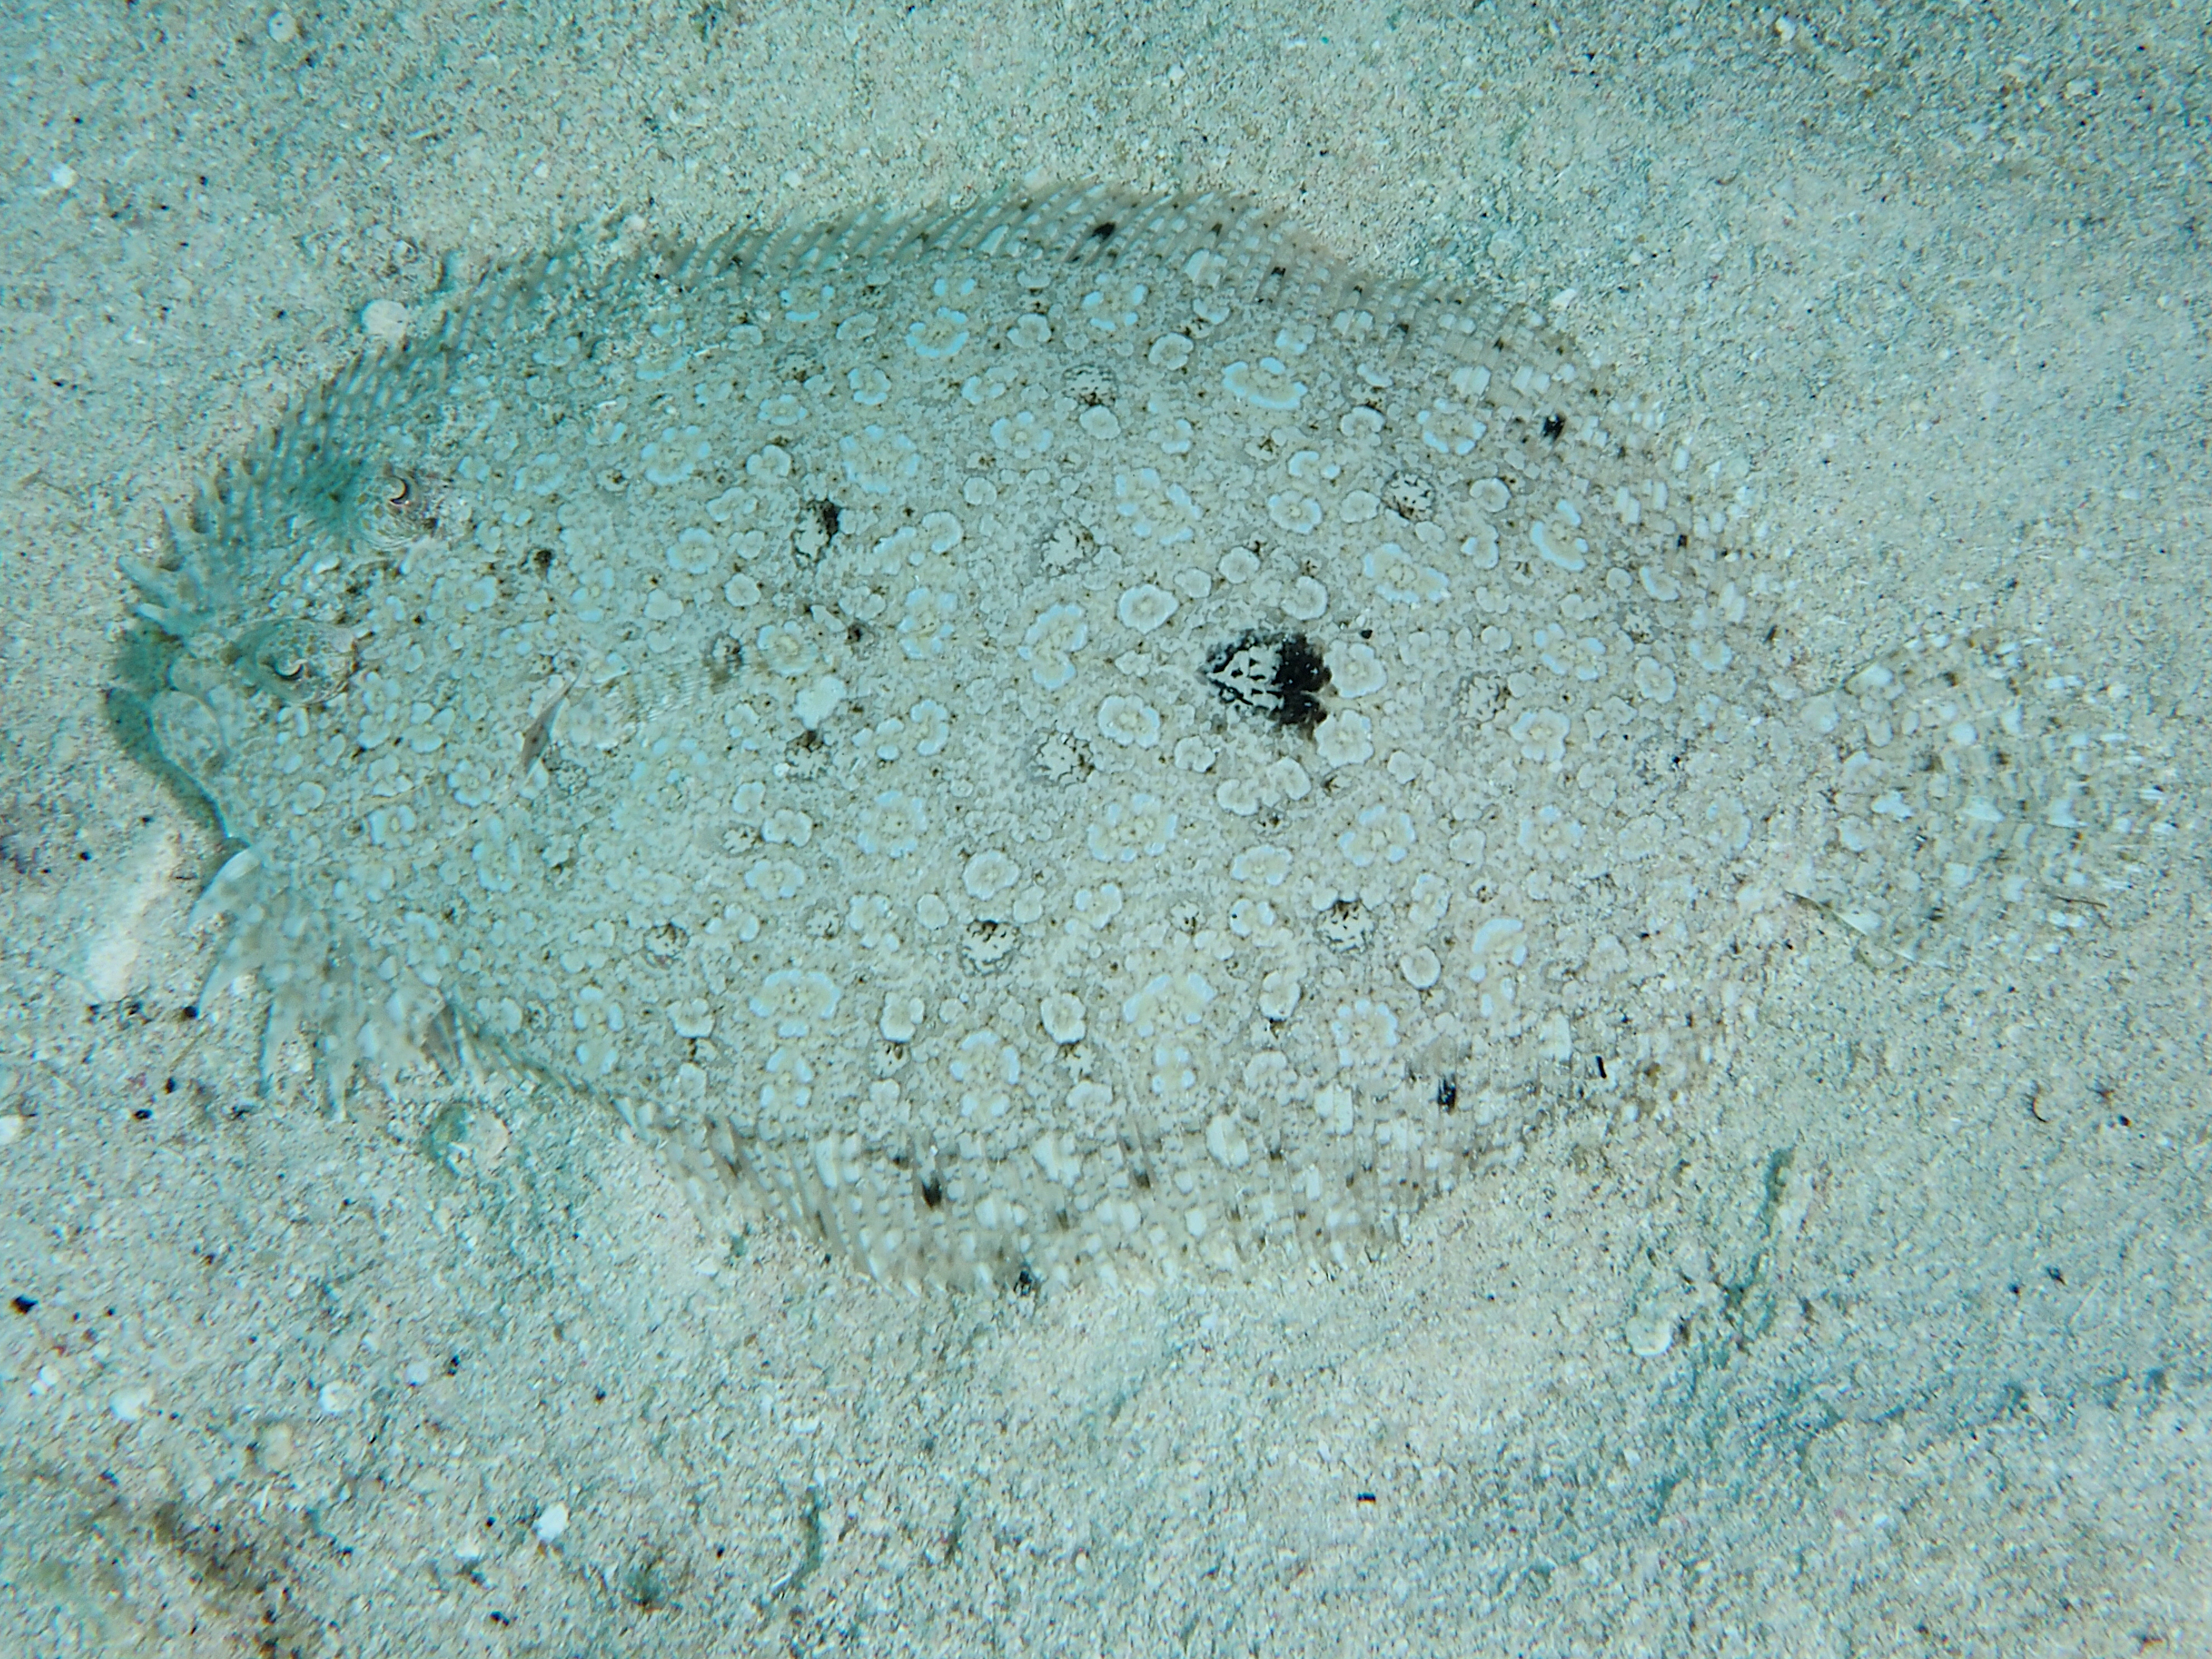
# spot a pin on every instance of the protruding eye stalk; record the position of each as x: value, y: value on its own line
x: 297, y: 660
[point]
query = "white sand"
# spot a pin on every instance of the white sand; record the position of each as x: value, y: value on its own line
x: 1931, y: 1251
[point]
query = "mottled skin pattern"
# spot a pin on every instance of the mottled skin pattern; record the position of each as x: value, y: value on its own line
x: 1079, y: 736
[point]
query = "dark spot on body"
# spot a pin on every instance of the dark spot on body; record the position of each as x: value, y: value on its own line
x: 1281, y: 676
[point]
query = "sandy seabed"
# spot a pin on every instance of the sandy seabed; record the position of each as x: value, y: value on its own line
x: 445, y: 1379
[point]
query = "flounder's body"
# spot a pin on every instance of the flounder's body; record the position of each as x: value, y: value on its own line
x: 1075, y: 735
